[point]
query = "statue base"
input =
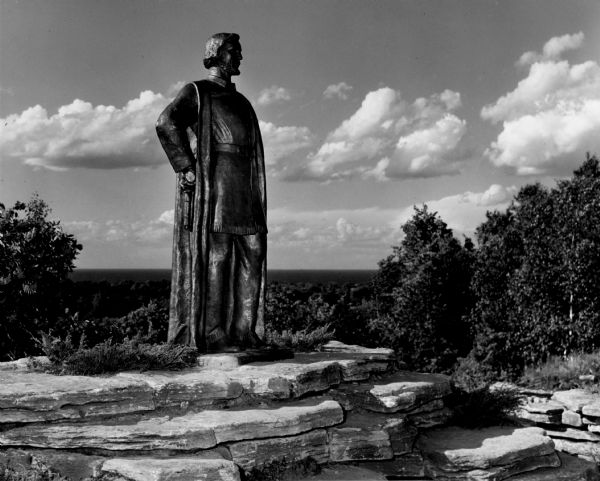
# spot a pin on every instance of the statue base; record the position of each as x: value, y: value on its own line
x: 230, y: 360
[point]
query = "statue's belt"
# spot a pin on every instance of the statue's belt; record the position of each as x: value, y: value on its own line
x: 231, y: 148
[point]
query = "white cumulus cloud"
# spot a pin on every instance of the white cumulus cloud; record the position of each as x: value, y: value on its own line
x: 86, y: 136
x: 272, y: 95
x: 339, y: 90
x: 280, y: 142
x: 552, y: 117
x: 389, y: 138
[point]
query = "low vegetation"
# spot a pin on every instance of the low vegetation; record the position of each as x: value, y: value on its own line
x: 564, y: 372
x: 483, y: 406
x: 108, y: 357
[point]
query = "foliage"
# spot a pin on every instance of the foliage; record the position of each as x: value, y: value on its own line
x: 282, y: 470
x: 36, y: 256
x: 536, y: 274
x: 421, y: 294
x: 559, y: 372
x: 109, y: 357
x: 301, y: 341
x: 10, y: 473
x: 482, y: 406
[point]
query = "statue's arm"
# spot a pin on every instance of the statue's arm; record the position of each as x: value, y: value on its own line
x: 171, y: 128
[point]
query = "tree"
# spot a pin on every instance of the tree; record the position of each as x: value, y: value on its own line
x: 536, y: 274
x: 422, y: 294
x: 36, y: 257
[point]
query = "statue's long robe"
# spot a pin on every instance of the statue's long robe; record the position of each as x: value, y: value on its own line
x: 187, y: 118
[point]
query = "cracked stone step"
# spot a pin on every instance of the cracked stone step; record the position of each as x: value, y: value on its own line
x: 571, y: 469
x: 192, y: 431
x: 487, y: 454
x: 197, y: 468
x: 33, y: 397
x: 400, y: 392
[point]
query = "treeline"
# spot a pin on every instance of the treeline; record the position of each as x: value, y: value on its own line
x: 527, y: 287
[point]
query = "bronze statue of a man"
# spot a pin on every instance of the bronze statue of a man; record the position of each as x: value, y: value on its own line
x: 211, y: 136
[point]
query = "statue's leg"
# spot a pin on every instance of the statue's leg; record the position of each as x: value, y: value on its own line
x: 250, y: 251
x: 219, y: 273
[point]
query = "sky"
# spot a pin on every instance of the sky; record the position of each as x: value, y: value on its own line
x: 366, y: 109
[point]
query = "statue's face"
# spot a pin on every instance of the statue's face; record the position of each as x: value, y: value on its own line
x: 230, y: 56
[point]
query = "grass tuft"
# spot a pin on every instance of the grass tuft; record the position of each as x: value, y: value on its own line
x: 301, y: 341
x: 108, y: 357
x: 483, y: 406
x: 560, y: 372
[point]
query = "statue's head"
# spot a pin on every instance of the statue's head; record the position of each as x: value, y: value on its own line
x: 224, y: 50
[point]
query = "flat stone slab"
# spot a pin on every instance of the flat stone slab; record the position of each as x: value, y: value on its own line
x: 258, y: 452
x: 573, y: 434
x: 545, y: 406
x: 491, y: 453
x: 348, y: 473
x: 173, y: 469
x: 32, y: 396
x: 586, y: 450
x: 26, y: 364
x: 201, y: 430
x: 223, y: 361
x: 27, y: 397
x: 571, y: 469
x: 400, y: 392
x: 576, y: 399
x: 379, y: 353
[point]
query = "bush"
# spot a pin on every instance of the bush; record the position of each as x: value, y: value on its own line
x: 36, y: 257
x: 108, y: 357
x: 562, y: 372
x: 301, y: 341
x: 483, y: 406
x: 8, y: 473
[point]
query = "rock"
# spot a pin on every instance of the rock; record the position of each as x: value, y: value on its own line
x: 575, y: 399
x: 587, y: 377
x: 231, y: 360
x: 486, y: 454
x: 402, y: 435
x: 428, y: 420
x: 573, y: 434
x: 258, y: 452
x: 74, y: 466
x: 33, y: 397
x: 587, y: 450
x: 407, y: 391
x: 173, y: 469
x: 183, y: 433
x: 26, y: 364
x: 348, y: 473
x: 359, y: 444
x: 571, y: 418
x: 544, y: 407
x: 287, y: 380
x: 407, y: 466
x: 593, y: 428
x: 195, y: 387
x: 571, y: 469
x: 374, y: 354
x: 539, y: 418
x: 592, y: 409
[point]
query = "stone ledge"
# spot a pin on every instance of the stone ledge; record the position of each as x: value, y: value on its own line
x: 28, y: 397
x: 201, y: 430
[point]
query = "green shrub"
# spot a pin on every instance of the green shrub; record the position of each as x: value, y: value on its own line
x: 108, y: 357
x: 8, y: 473
x: 301, y: 341
x: 483, y: 406
x: 560, y: 372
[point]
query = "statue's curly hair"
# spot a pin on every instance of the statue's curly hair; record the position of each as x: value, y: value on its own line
x: 214, y: 43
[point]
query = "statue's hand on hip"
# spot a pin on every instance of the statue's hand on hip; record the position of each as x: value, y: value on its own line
x: 188, y: 180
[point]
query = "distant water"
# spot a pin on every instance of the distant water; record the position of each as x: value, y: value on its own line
x: 316, y: 276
